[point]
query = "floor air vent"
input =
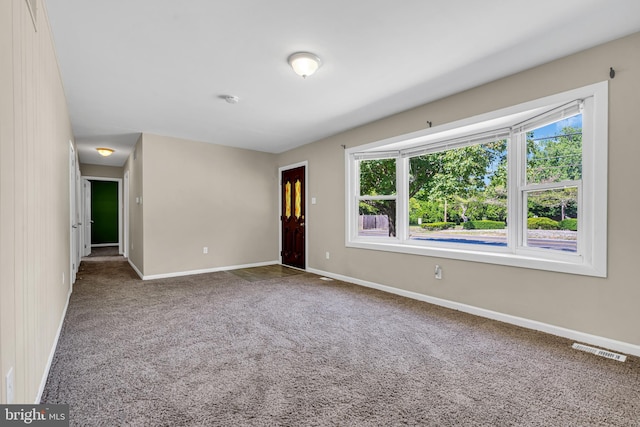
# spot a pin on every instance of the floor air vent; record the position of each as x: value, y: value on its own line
x: 599, y: 352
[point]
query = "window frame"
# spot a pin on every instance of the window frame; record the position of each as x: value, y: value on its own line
x: 359, y: 197
x: 591, y: 256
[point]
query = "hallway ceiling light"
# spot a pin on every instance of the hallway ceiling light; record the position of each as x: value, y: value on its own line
x: 304, y: 63
x: 106, y: 152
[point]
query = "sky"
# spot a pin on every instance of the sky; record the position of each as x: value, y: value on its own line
x: 555, y: 128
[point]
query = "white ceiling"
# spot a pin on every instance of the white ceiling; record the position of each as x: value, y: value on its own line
x: 161, y: 66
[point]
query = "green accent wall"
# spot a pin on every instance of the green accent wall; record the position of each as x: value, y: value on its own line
x: 104, y: 212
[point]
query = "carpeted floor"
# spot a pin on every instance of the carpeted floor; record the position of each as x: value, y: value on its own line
x: 220, y: 349
x: 103, y: 251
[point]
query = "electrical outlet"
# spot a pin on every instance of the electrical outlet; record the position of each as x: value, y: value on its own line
x: 438, y: 272
x: 326, y: 255
x: 10, y: 387
x: 205, y: 250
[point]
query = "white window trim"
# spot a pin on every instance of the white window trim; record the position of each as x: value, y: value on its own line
x: 593, y: 192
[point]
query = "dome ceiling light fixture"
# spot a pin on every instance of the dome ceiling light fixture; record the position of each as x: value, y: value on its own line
x: 105, y: 152
x: 304, y: 63
x: 231, y: 99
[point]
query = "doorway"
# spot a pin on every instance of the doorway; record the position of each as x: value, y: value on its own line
x: 102, y: 213
x: 293, y: 205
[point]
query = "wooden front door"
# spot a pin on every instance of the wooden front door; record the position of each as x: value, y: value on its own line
x: 293, y: 203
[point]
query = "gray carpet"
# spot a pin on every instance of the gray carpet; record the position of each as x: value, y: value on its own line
x: 103, y: 251
x: 221, y: 350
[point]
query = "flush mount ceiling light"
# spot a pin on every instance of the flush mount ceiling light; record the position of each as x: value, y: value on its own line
x: 231, y: 99
x: 106, y: 152
x: 304, y: 63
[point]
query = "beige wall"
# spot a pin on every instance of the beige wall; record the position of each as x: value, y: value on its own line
x: 34, y: 198
x: 198, y: 194
x: 603, y: 307
x: 100, y: 171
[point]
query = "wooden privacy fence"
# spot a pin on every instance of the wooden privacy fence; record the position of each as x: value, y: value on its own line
x: 373, y: 222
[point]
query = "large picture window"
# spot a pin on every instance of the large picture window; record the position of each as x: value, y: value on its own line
x: 524, y: 186
x: 456, y: 194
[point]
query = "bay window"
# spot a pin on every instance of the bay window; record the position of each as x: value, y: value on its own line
x: 523, y: 186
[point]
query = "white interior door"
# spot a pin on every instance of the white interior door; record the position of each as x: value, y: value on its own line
x: 78, y: 212
x: 86, y: 219
x: 73, y: 215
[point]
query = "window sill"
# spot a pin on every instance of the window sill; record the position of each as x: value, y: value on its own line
x: 561, y: 263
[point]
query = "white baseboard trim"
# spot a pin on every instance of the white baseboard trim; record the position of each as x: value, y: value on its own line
x: 52, y: 353
x: 135, y: 268
x: 603, y: 342
x: 104, y: 245
x: 206, y: 270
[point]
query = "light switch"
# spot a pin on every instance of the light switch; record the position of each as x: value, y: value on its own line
x: 313, y: 200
